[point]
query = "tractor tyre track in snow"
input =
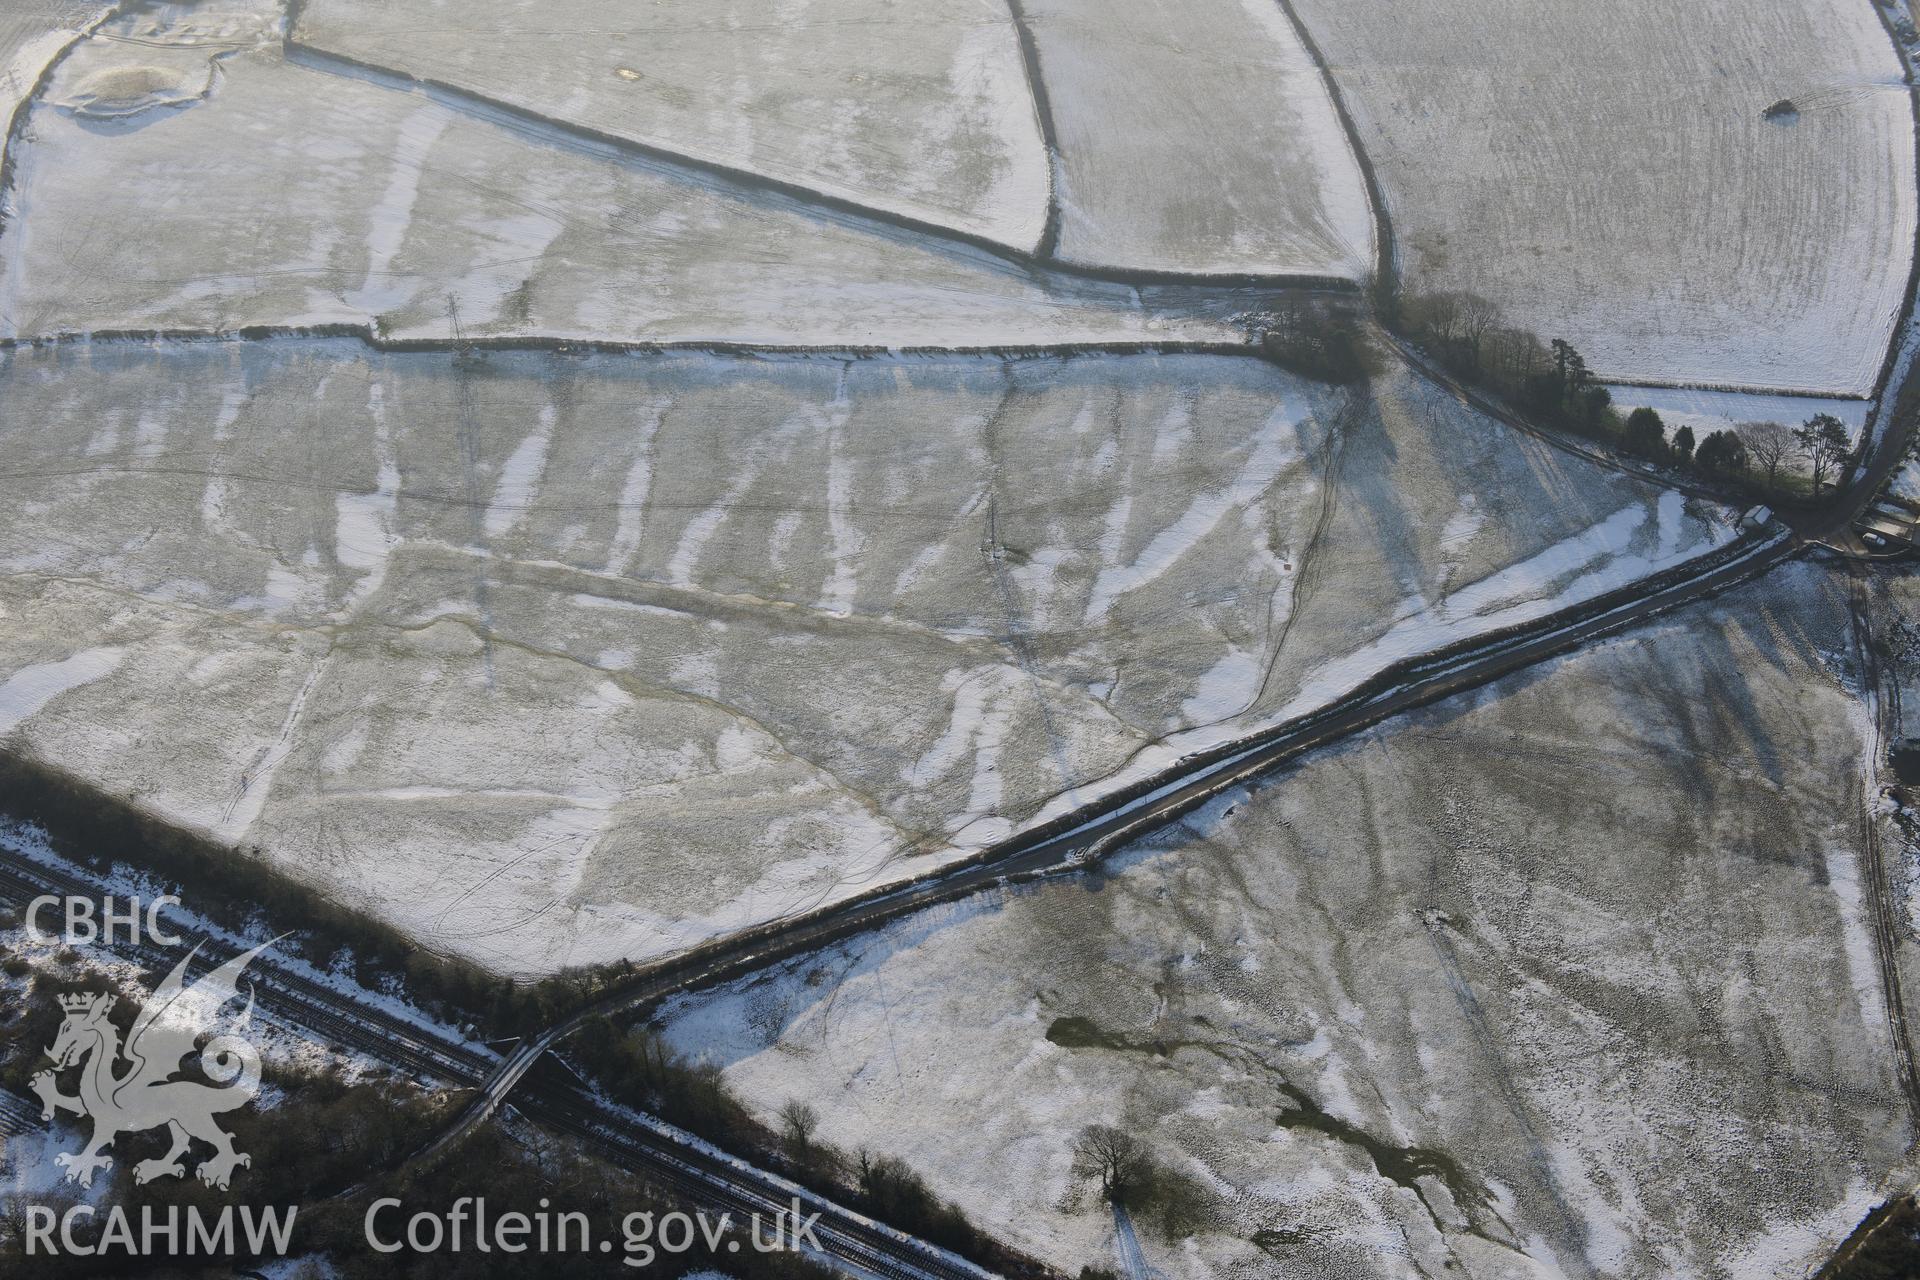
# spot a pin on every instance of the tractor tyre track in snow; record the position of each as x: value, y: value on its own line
x: 1066, y: 846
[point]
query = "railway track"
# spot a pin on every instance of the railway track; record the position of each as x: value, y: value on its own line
x: 1064, y: 847
x: 414, y: 1047
x: 660, y: 1153
x: 18, y: 1116
x: 683, y: 1164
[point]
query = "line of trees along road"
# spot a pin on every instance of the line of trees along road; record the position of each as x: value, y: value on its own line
x: 1551, y: 382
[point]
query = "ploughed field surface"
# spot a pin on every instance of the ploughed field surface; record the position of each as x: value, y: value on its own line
x: 1609, y: 174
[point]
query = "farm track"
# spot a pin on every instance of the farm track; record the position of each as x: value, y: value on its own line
x: 1072, y: 843
x: 1566, y: 443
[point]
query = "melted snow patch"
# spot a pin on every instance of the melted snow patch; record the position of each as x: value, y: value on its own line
x: 520, y: 478
x: 117, y: 92
x: 388, y: 223
x: 1462, y: 526
x: 363, y: 534
x: 1226, y: 690
x: 1276, y: 448
x: 30, y: 689
x: 635, y: 491
x: 1592, y: 562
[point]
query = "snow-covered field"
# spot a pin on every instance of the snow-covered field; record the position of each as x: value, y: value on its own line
x: 1709, y: 411
x: 32, y: 33
x: 1194, y: 137
x: 1906, y: 483
x: 562, y: 655
x: 296, y: 196
x: 919, y: 109
x: 1197, y: 136
x: 558, y: 659
x: 1706, y: 411
x: 1606, y: 174
x: 1567, y: 977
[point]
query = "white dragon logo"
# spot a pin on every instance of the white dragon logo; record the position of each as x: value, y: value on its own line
x: 146, y: 1095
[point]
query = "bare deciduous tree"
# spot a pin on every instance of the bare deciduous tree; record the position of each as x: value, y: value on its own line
x: 1475, y: 318
x: 1438, y: 313
x: 1768, y: 444
x: 799, y: 1121
x: 1112, y: 1156
x: 1514, y: 355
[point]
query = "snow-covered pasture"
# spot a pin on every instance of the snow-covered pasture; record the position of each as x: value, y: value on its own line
x: 1607, y: 174
x: 32, y: 33
x: 297, y: 196
x: 558, y: 659
x: 919, y: 109
x: 1568, y: 977
x: 1706, y: 411
x: 1905, y: 484
x: 1197, y: 136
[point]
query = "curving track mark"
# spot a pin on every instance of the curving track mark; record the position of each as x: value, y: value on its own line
x: 1386, y: 271
x: 1043, y: 111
